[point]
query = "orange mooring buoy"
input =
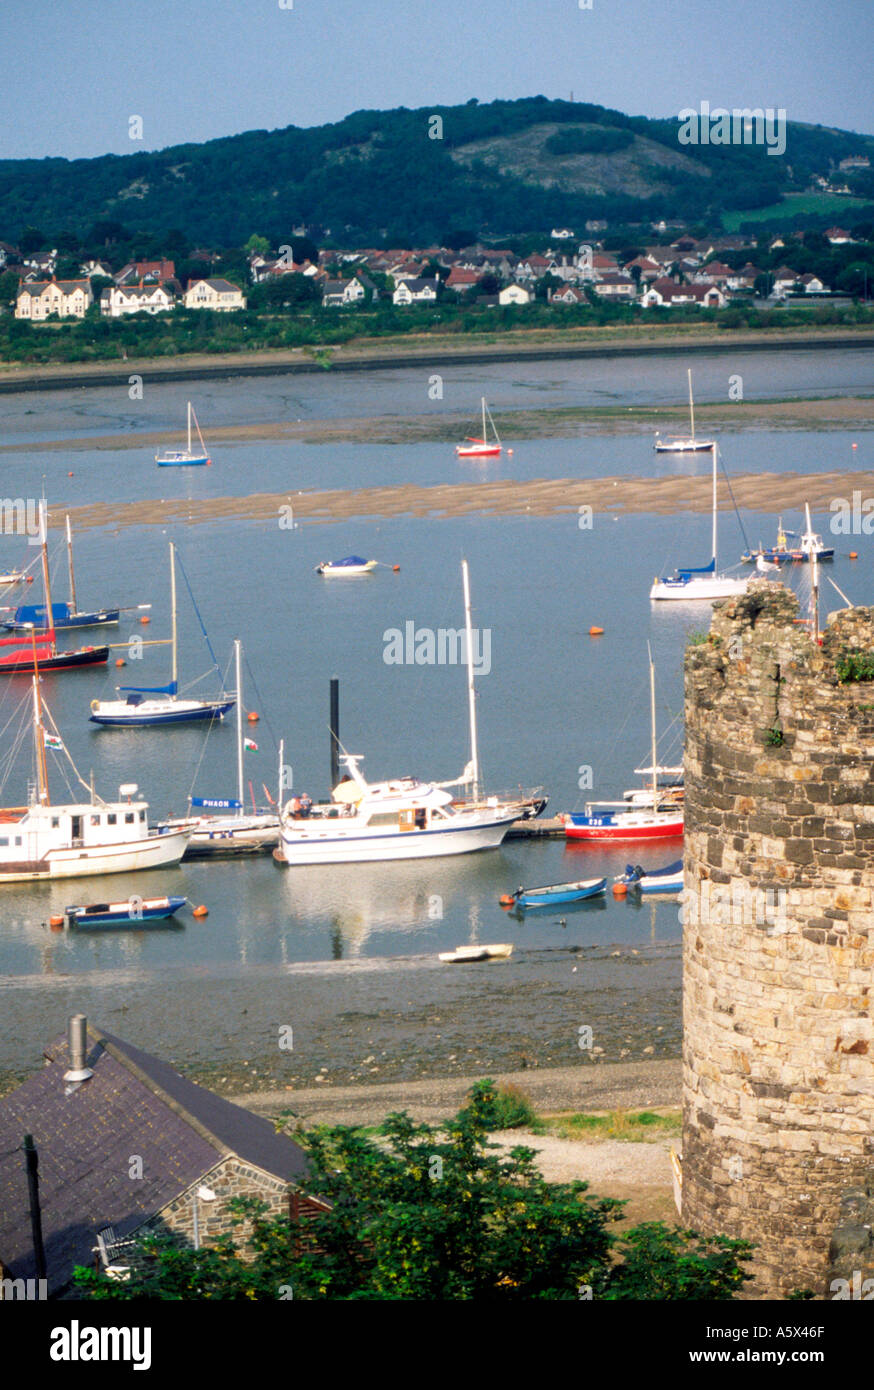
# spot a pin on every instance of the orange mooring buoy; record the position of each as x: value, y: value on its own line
x: 200, y: 911
x: 145, y: 618
x: 56, y: 920
x: 30, y: 579
x: 853, y: 555
x: 506, y: 900
x: 620, y: 890
x: 396, y: 568
x: 253, y: 716
x: 120, y: 661
x: 70, y: 474
x: 596, y: 632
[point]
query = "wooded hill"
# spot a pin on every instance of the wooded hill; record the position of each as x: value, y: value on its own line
x: 380, y: 177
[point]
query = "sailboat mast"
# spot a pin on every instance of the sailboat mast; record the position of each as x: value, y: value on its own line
x: 42, y: 777
x: 485, y: 437
x: 714, y: 508
x: 173, y: 609
x: 73, y: 606
x: 43, y: 536
x: 471, y: 693
x: 691, y: 406
x: 189, y: 427
x: 652, y: 710
x: 239, y: 727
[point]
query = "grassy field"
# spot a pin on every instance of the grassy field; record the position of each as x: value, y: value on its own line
x: 791, y: 206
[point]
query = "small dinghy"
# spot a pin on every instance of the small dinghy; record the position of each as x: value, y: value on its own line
x: 349, y: 567
x: 555, y: 893
x: 133, y: 912
x: 666, y: 880
x: 464, y: 954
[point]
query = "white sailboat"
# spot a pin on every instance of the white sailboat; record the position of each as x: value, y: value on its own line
x: 237, y: 830
x: 168, y: 457
x: 165, y: 705
x: 73, y: 840
x: 684, y: 444
x: 481, y: 447
x: 404, y: 818
x: 658, y: 818
x: 703, y: 583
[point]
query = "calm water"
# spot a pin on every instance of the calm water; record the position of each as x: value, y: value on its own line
x: 554, y: 701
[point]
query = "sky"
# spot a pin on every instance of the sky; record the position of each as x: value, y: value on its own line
x: 73, y: 75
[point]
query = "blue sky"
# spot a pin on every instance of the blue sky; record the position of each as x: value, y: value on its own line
x: 74, y: 73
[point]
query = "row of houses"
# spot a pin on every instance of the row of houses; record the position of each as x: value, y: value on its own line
x: 38, y: 299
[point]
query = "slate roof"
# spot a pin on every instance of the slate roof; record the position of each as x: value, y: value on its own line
x: 86, y: 1136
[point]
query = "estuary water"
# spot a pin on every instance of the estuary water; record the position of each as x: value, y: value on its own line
x: 335, y: 947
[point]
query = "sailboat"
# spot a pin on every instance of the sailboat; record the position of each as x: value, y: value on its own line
x: 400, y: 819
x: 684, y: 444
x: 703, y: 583
x: 168, y: 457
x: 19, y: 654
x: 481, y: 448
x: 64, y: 615
x: 166, y: 707
x: 614, y: 820
x: 236, y: 831
x: 45, y: 841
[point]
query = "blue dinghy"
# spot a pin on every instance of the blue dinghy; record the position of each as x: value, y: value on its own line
x: 554, y: 894
x: 131, y: 913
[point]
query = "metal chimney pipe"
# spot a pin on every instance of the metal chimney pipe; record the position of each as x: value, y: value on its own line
x: 77, y: 1040
x: 334, y: 724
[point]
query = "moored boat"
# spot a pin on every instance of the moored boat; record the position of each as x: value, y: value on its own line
x: 702, y: 583
x: 666, y: 880
x: 684, y: 444
x: 481, y: 447
x: 347, y: 568
x: 149, y: 705
x: 810, y: 547
x: 554, y: 894
x: 131, y: 913
x: 168, y: 457
x: 63, y: 615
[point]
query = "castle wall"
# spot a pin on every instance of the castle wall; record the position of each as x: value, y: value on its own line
x: 778, y: 934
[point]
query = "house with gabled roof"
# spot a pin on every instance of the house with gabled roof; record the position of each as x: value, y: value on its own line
x: 568, y: 294
x: 214, y: 294
x: 145, y: 272
x: 127, y: 1146
x: 668, y: 293
x: 462, y: 280
x: 615, y: 285
x: 420, y: 291
x: 119, y: 300
x: 38, y: 299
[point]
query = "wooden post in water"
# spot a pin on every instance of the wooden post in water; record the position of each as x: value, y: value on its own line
x: 334, y: 722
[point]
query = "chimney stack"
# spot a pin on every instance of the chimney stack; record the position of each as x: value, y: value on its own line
x: 77, y: 1039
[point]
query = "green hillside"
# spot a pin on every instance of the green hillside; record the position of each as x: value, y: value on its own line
x: 505, y: 167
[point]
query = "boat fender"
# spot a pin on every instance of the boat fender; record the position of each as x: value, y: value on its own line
x: 200, y: 911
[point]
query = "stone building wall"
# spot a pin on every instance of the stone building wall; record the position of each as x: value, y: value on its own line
x: 231, y: 1177
x: 778, y: 934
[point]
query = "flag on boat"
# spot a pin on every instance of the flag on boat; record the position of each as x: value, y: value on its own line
x: 250, y: 744
x: 52, y: 740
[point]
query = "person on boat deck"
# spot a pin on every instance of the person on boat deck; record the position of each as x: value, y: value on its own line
x: 294, y: 805
x: 305, y: 804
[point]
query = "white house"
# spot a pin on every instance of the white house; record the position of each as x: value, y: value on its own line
x: 569, y: 294
x: 43, y: 261
x: 561, y: 234
x: 135, y: 299
x: 220, y: 295
x: 66, y: 298
x: 92, y: 268
x: 415, y: 292
x: 336, y: 294
x: 514, y: 294
x: 615, y: 286
x: 669, y: 294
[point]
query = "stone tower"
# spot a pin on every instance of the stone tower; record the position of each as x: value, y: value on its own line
x: 778, y: 1083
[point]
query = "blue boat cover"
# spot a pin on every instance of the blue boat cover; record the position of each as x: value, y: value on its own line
x: 349, y: 560
x: 150, y: 689
x: 702, y: 569
x: 215, y: 804
x: 36, y: 613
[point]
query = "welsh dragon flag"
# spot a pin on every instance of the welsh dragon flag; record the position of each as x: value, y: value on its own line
x: 250, y: 745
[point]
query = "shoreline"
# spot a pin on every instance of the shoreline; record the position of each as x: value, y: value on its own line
x: 419, y: 350
x: 826, y: 412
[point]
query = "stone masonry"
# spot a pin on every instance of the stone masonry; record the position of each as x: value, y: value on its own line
x: 778, y: 1090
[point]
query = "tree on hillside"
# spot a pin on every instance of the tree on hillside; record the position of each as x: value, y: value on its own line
x: 436, y: 1214
x: 257, y: 245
